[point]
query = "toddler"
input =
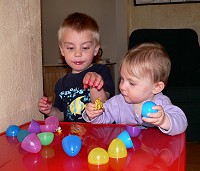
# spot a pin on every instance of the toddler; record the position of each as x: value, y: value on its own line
x: 144, y: 72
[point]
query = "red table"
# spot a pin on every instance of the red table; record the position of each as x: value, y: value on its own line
x: 154, y: 151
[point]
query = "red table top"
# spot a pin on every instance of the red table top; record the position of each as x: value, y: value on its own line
x: 153, y: 150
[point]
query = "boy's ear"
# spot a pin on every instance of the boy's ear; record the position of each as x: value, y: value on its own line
x: 96, y: 50
x: 158, y: 87
x: 61, y: 51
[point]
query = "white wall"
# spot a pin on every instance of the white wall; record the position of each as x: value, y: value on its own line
x: 21, y: 62
x: 111, y: 17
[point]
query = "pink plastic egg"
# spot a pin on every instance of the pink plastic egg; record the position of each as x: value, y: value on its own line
x: 52, y: 120
x: 47, y: 128
x: 31, y: 143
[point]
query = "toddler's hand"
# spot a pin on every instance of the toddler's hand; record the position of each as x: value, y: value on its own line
x: 159, y: 119
x: 93, y: 80
x: 91, y: 112
x: 45, y: 105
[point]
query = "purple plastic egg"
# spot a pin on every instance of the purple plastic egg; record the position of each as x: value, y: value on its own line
x: 133, y: 131
x: 34, y: 127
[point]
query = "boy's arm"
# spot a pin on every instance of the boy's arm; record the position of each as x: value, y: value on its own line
x: 57, y: 113
x: 102, y: 94
x: 46, y: 107
x: 96, y: 83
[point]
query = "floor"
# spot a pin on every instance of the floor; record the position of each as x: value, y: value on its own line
x: 193, y: 156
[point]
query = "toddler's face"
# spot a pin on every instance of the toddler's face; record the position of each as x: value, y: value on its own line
x: 78, y: 48
x: 135, y: 90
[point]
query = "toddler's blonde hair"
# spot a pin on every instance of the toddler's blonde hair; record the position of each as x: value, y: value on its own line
x: 147, y: 60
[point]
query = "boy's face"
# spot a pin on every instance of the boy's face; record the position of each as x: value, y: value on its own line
x: 78, y: 48
x: 135, y: 90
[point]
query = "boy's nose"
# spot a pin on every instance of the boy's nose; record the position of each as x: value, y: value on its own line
x: 78, y: 53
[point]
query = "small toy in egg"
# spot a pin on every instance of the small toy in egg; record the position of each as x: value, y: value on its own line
x: 59, y: 130
x: 98, y: 104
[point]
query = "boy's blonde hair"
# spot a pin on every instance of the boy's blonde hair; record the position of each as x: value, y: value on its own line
x: 147, y: 60
x: 79, y: 22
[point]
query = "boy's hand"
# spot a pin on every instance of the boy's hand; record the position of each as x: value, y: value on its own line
x: 91, y: 112
x: 93, y: 80
x: 159, y: 119
x: 45, y: 105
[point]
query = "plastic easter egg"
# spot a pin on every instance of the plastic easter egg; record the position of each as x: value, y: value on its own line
x: 117, y: 149
x: 71, y: 145
x: 133, y: 131
x: 125, y: 137
x: 46, y: 138
x: 98, y: 156
x: 47, y: 128
x: 34, y: 127
x: 31, y: 143
x: 12, y: 130
x: 52, y: 120
x: 147, y: 108
x: 22, y: 134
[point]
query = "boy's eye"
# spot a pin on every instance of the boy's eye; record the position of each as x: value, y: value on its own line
x: 86, y: 47
x: 70, y: 48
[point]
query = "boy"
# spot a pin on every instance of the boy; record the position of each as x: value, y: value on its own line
x: 79, y: 42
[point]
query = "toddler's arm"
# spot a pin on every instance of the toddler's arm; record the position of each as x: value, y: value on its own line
x: 91, y: 112
x: 170, y: 119
x: 158, y: 119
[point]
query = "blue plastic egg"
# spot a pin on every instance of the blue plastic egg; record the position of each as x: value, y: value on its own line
x: 147, y: 108
x: 125, y: 137
x: 71, y: 145
x: 12, y: 130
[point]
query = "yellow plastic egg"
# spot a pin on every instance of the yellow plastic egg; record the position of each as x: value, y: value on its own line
x: 117, y: 149
x: 98, y: 156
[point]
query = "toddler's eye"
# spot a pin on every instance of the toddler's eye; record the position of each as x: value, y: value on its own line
x: 132, y: 84
x: 121, y: 80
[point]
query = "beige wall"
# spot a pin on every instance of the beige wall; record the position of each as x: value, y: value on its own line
x: 21, y: 61
x: 164, y: 16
